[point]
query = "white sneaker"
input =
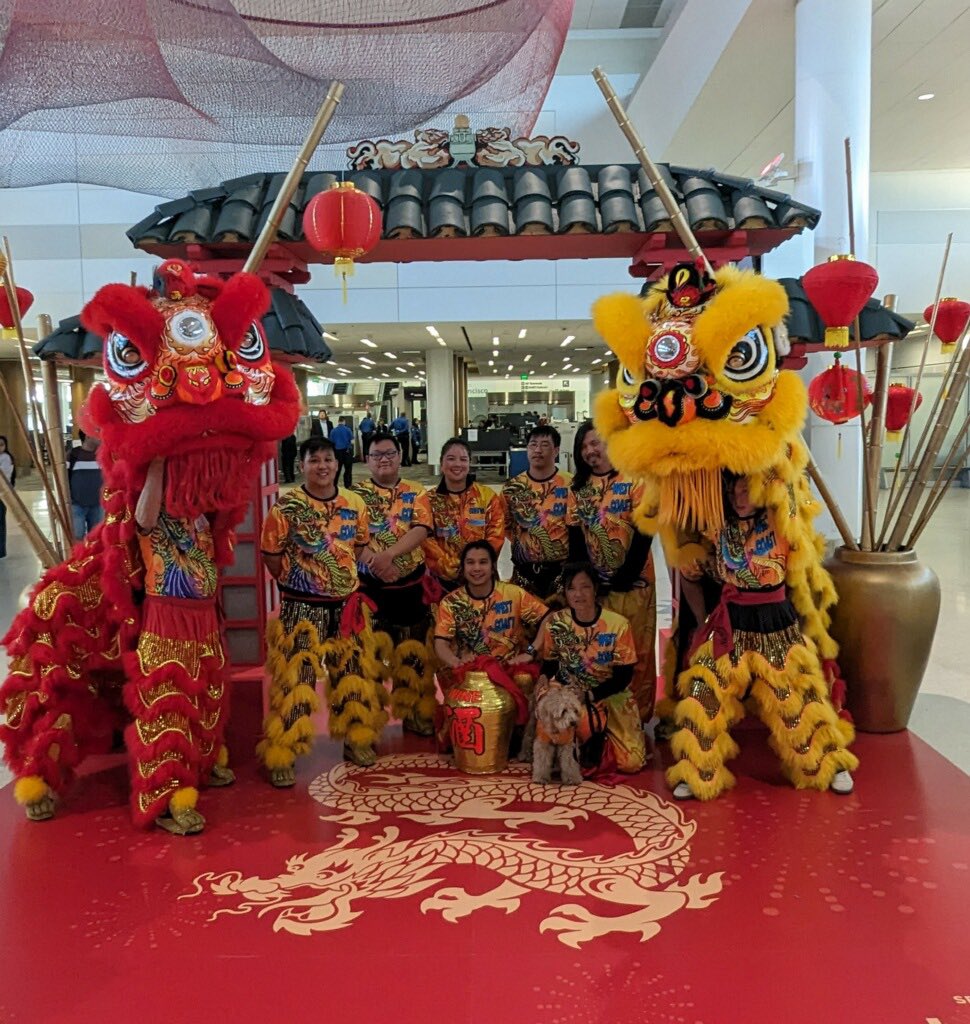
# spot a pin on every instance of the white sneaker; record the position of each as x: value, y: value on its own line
x: 842, y: 783
x: 682, y: 791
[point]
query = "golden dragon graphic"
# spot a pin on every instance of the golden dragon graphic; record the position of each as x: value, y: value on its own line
x: 318, y: 892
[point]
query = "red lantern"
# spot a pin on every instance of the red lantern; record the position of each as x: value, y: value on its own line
x: 343, y: 222
x: 952, y: 317
x: 25, y: 300
x: 899, y: 405
x: 834, y: 393
x: 838, y: 290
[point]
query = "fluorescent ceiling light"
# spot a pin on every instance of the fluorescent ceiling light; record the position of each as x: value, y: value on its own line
x: 365, y: 360
x: 390, y: 355
x: 400, y: 369
x: 506, y: 376
x: 527, y: 358
x: 595, y: 361
x: 368, y: 342
x: 494, y: 353
x: 522, y: 333
x: 542, y: 363
x: 926, y: 95
x: 565, y: 341
x: 441, y: 341
x: 332, y: 337
x: 385, y: 375
x: 410, y: 364
x: 495, y: 339
x: 494, y: 371
x: 433, y: 331
x: 509, y: 367
x: 491, y: 362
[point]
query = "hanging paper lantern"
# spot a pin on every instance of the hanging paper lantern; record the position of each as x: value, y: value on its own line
x: 899, y: 404
x: 25, y: 300
x: 343, y: 222
x: 838, y: 290
x: 951, y: 321
x: 834, y: 393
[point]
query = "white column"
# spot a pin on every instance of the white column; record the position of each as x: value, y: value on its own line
x: 833, y: 75
x: 440, y: 366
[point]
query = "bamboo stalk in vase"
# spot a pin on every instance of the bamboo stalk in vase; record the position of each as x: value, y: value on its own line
x: 877, y: 426
x: 57, y: 514
x: 893, y: 500
x: 835, y: 510
x: 868, y: 512
x: 42, y: 547
x: 934, y: 504
x: 942, y: 481
x: 940, y: 428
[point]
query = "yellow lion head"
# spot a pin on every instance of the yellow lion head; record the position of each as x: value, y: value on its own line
x: 698, y: 390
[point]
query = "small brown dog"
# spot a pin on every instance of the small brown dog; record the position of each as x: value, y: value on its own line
x: 550, y: 737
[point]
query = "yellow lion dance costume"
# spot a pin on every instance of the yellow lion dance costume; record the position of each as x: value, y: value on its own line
x: 699, y: 394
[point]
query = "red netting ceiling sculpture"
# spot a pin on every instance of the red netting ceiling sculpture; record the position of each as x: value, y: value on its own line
x: 162, y: 96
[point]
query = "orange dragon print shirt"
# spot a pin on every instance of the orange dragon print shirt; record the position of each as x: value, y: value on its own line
x: 472, y: 514
x: 495, y: 625
x: 179, y: 557
x: 536, y: 517
x: 603, y: 508
x: 318, y: 541
x: 391, y: 513
x: 587, y: 654
x: 751, y: 554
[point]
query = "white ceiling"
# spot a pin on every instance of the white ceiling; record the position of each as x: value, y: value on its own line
x: 407, y: 344
x: 745, y: 113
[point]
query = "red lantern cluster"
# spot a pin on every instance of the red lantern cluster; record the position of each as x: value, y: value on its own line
x: 834, y: 393
x: 342, y: 222
x: 952, y: 317
x: 899, y: 407
x: 25, y: 300
x: 838, y: 290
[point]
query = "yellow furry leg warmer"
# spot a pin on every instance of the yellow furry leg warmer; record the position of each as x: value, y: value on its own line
x: 413, y: 694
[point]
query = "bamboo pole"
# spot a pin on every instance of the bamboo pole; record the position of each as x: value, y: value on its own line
x: 671, y: 205
x: 893, y: 500
x: 41, y: 545
x: 877, y: 425
x: 268, y: 235
x: 934, y: 503
x: 833, y: 506
x: 55, y: 429
x: 938, y: 483
x: 942, y: 425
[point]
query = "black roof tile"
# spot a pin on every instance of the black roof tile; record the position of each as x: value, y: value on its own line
x: 804, y: 324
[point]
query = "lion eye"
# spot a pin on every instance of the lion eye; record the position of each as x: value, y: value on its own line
x: 627, y: 377
x: 124, y: 359
x: 252, y: 348
x: 749, y: 357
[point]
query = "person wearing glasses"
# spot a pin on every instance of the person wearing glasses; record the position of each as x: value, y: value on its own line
x: 462, y: 510
x: 394, y: 577
x: 602, y: 532
x: 536, y: 507
x: 310, y: 543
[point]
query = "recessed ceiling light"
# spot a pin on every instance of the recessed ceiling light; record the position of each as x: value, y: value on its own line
x: 495, y: 371
x: 522, y: 333
x: 565, y: 341
x: 531, y: 372
x: 390, y: 355
x: 365, y: 360
x: 410, y: 364
x: 542, y: 363
x: 494, y: 353
x: 509, y: 367
x: 368, y: 343
x: 385, y: 375
x: 495, y: 340
x: 595, y: 361
x: 527, y: 358
x: 506, y: 376
x: 400, y: 369
x: 332, y: 337
x: 926, y: 95
x: 491, y: 362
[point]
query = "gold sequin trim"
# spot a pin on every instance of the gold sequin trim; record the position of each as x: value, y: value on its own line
x: 15, y: 709
x: 773, y: 647
x: 705, y: 696
x: 20, y: 666
x: 88, y: 594
x: 63, y: 722
x: 154, y: 651
x: 210, y: 721
x: 45, y: 638
x: 79, y: 563
x: 146, y: 769
x: 145, y: 800
x: 215, y: 691
x: 164, y: 689
x: 170, y: 721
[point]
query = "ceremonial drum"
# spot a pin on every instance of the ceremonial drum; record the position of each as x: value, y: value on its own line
x: 479, y: 716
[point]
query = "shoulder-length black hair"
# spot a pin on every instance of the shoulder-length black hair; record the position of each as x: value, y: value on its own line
x: 583, y: 471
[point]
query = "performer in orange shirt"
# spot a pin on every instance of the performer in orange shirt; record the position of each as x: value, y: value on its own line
x: 535, y: 515
x: 310, y: 542
x: 462, y: 510
x: 602, y: 531
x: 395, y: 578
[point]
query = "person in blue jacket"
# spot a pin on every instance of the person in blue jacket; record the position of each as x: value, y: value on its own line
x: 342, y: 439
x: 367, y: 428
x: 401, y: 429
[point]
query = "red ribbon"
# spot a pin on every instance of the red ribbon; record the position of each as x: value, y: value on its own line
x: 718, y: 624
x: 498, y: 674
x: 352, y: 620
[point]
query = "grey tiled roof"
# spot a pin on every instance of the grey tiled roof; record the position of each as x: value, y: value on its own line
x: 469, y: 201
x: 291, y: 329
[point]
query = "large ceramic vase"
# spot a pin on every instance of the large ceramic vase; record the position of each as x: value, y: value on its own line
x: 480, y: 717
x: 889, y: 604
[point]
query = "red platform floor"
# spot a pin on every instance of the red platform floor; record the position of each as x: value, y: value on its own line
x: 442, y: 897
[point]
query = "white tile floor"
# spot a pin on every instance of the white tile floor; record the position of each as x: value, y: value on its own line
x: 942, y: 713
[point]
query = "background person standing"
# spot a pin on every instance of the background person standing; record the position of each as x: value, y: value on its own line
x: 84, y: 479
x: 401, y: 429
x: 342, y: 439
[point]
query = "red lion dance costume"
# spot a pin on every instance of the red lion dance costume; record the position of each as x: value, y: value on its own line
x: 192, y: 408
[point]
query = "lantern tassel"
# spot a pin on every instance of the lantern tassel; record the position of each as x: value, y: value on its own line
x: 343, y: 267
